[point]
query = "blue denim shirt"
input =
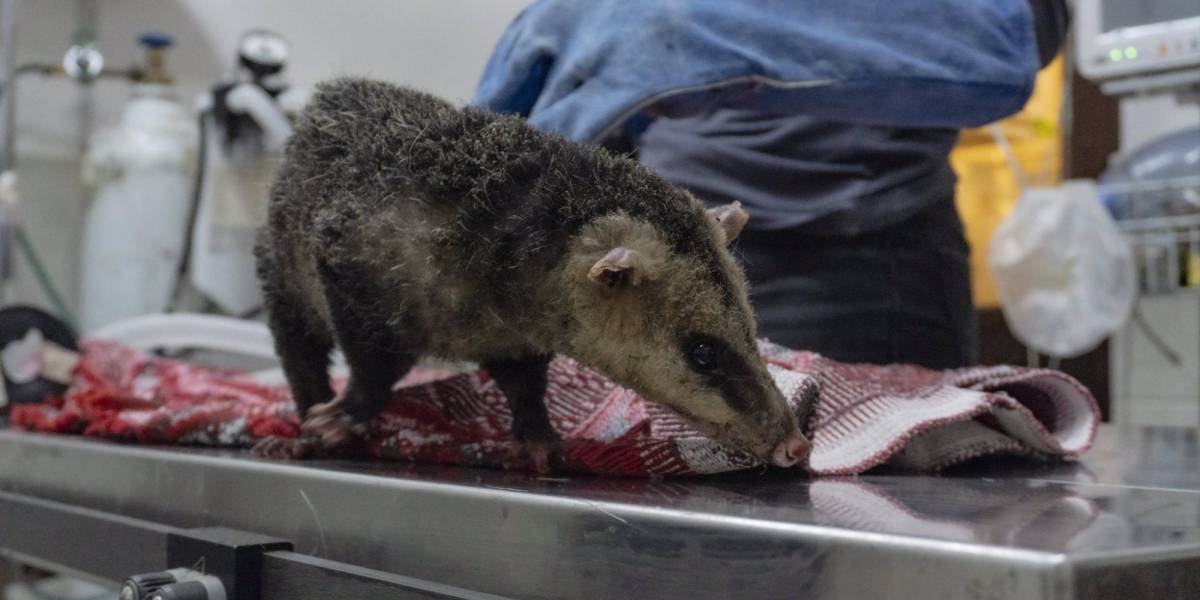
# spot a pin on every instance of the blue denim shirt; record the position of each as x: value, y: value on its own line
x: 827, y: 118
x: 586, y: 69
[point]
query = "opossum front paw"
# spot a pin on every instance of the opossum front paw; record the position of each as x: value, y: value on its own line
x: 544, y: 456
x: 540, y: 443
x: 282, y: 448
x: 330, y: 424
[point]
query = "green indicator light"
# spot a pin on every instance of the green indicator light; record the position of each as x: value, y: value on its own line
x: 1131, y: 53
x: 1114, y: 54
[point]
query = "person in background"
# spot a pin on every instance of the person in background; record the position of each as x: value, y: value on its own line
x: 854, y: 248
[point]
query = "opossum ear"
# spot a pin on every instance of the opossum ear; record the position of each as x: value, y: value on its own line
x: 730, y: 219
x: 619, y: 268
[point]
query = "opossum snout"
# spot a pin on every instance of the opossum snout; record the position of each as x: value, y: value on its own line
x: 791, y: 450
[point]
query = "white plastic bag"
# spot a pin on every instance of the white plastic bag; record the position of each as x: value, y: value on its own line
x: 1064, y: 272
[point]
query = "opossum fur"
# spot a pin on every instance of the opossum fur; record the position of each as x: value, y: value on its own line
x: 401, y: 226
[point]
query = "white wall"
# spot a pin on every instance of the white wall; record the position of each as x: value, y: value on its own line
x: 48, y: 118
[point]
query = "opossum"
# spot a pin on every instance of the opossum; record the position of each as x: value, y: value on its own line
x: 401, y: 226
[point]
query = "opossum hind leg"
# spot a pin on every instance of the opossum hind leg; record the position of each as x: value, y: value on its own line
x: 377, y: 352
x: 303, y: 341
x: 304, y: 354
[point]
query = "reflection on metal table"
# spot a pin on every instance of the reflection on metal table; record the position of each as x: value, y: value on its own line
x: 1124, y: 522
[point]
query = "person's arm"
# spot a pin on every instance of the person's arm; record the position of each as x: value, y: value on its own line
x: 585, y: 69
x: 1051, y: 19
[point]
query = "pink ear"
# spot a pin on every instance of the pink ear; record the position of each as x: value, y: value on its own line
x: 731, y: 218
x: 620, y: 267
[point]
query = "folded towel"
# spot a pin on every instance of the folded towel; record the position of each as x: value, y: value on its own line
x: 864, y: 415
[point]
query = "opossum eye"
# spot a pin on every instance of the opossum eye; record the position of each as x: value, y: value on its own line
x: 703, y: 356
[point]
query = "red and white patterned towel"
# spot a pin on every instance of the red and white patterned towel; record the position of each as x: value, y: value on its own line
x: 864, y: 416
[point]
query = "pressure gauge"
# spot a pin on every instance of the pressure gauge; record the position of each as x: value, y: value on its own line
x: 83, y: 62
x: 263, y: 52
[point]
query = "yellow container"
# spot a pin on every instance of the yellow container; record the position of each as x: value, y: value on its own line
x: 987, y: 188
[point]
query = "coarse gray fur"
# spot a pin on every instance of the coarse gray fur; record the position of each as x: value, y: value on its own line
x: 401, y: 226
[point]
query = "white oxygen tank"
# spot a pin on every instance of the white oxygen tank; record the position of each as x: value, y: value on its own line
x: 135, y: 229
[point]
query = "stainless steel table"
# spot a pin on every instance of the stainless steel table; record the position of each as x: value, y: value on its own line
x: 1123, y: 523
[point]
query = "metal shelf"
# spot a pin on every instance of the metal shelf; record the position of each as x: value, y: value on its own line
x: 1161, y: 220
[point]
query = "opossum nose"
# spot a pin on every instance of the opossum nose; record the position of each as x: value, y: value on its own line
x: 791, y: 450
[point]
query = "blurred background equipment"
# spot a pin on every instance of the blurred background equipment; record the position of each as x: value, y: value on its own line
x: 59, y: 588
x: 142, y: 171
x: 1064, y: 274
x: 1159, y: 179
x: 244, y: 122
x: 175, y: 200
x: 1121, y: 108
x: 1147, y: 56
x: 119, y: 262
x: 1138, y: 46
x: 96, y: 248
